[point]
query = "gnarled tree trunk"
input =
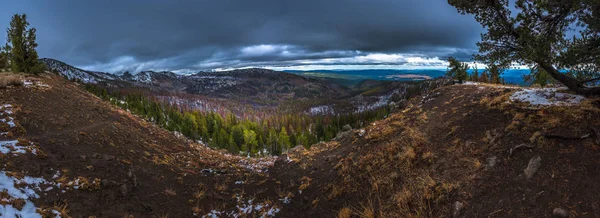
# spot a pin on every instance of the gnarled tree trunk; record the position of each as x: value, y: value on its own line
x: 569, y: 81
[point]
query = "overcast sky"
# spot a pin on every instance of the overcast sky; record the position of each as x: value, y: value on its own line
x: 194, y: 35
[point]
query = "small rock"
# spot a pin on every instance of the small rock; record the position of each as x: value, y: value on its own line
x: 297, y: 149
x: 534, y: 137
x: 108, y: 183
x: 361, y: 132
x: 341, y: 135
x: 124, y: 190
x: 559, y: 212
x: 108, y: 157
x: 146, y: 207
x: 488, y: 135
x: 491, y: 162
x: 458, y: 206
x: 330, y: 158
x: 134, y: 181
x: 533, y: 166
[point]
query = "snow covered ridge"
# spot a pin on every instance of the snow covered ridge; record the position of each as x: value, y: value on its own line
x: 70, y: 72
x: 546, y: 97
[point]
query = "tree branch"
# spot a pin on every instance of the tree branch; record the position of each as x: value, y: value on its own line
x: 589, y: 80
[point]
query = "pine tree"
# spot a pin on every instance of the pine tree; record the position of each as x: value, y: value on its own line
x: 21, y: 43
x: 538, y: 76
x: 3, y: 59
x: 475, y: 74
x: 458, y: 70
x: 237, y: 132
x: 284, y: 140
x: 494, y: 72
x: 233, y: 148
x: 272, y: 141
x: 250, y: 141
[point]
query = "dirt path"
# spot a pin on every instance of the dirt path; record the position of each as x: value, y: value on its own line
x: 91, y: 127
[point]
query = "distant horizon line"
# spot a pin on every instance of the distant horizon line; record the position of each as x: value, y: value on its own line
x: 306, y: 68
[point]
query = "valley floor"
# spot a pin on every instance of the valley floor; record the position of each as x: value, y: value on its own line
x: 467, y: 150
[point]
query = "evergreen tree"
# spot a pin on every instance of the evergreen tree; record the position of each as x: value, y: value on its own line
x: 3, y: 58
x: 484, y: 77
x: 237, y: 132
x: 250, y: 141
x: 538, y: 76
x: 284, y: 140
x: 233, y: 148
x: 272, y: 141
x: 475, y: 74
x: 494, y: 72
x: 21, y: 43
x: 458, y: 70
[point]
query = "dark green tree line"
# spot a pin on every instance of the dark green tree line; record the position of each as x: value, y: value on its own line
x: 270, y: 136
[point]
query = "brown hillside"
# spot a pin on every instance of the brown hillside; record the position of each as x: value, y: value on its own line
x: 450, y: 154
x: 129, y: 166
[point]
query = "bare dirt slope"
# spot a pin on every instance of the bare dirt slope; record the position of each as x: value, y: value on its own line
x: 463, y: 150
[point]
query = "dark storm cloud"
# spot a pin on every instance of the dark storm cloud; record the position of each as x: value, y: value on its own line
x: 203, y: 34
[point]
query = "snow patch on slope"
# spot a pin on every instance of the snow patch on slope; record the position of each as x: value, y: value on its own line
x: 26, y: 188
x: 244, y: 209
x: 6, y: 110
x: 546, y: 97
x: 13, y: 147
x: 321, y: 110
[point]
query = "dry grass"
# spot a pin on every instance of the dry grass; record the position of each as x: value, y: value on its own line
x: 10, y: 80
x: 396, y: 176
x: 49, y: 212
x: 221, y: 187
x: 170, y: 192
x: 305, y: 182
x: 345, y: 213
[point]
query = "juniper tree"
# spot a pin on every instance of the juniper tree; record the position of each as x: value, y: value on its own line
x: 21, y: 46
x: 552, y: 35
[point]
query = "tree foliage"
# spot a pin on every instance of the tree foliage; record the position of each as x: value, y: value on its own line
x: 549, y: 35
x: 538, y: 76
x: 457, y: 70
x: 3, y: 59
x: 21, y: 45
